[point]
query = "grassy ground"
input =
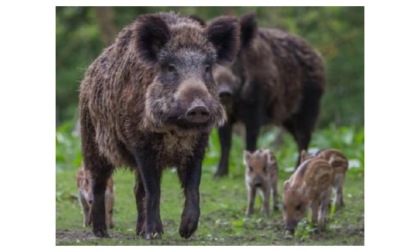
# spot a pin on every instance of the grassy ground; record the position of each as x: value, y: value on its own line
x: 223, y: 204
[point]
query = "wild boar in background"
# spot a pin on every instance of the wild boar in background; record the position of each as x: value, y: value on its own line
x: 278, y: 79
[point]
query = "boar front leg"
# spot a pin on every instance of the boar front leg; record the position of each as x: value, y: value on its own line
x: 86, y: 210
x: 251, y: 199
x: 225, y: 136
x: 109, y: 207
x: 266, y: 200
x: 101, y: 171
x: 338, y: 188
x: 314, y: 211
x: 275, y: 191
x: 139, y: 193
x: 190, y: 177
x: 324, y: 209
x: 98, y: 215
x: 150, y: 175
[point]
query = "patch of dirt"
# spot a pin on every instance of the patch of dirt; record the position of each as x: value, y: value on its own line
x: 75, y: 235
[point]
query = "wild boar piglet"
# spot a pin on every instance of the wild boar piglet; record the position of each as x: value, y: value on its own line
x: 261, y: 173
x: 340, y: 164
x: 309, y: 186
x: 84, y: 184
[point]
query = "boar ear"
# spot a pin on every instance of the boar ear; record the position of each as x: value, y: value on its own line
x: 223, y: 33
x: 151, y: 35
x: 303, y: 155
x: 270, y: 157
x: 198, y: 19
x: 247, y: 156
x: 248, y: 25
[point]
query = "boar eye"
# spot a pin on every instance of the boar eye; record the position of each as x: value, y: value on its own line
x: 170, y: 68
x: 250, y: 168
x: 298, y: 207
x: 87, y: 182
x: 207, y: 68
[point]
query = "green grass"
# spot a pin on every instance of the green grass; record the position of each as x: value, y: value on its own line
x: 223, y: 201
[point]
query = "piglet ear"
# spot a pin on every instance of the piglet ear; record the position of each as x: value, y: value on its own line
x: 223, y: 33
x: 247, y: 156
x: 270, y: 157
x: 303, y: 156
x: 151, y: 35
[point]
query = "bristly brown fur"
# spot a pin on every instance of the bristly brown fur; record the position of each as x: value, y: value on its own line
x: 281, y: 82
x: 130, y: 115
x: 340, y: 164
x: 309, y: 186
x: 261, y: 174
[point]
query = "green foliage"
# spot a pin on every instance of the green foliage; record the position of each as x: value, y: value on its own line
x: 67, y: 146
x: 337, y: 32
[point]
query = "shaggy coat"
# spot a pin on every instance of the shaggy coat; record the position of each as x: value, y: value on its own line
x: 148, y: 102
x: 278, y: 79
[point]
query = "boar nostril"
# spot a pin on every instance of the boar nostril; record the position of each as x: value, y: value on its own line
x: 198, y: 114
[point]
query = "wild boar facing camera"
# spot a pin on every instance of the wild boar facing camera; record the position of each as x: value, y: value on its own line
x: 148, y: 102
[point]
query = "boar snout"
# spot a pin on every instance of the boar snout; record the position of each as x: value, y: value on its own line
x: 198, y: 114
x: 89, y: 198
x: 290, y: 226
x: 258, y: 181
x: 225, y: 92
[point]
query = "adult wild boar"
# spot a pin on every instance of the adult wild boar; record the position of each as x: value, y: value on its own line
x: 148, y: 102
x: 277, y: 78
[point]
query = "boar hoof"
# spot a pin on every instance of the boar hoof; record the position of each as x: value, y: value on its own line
x: 339, y: 205
x: 189, y: 223
x: 289, y: 234
x: 153, y: 236
x: 101, y: 233
x: 248, y: 213
x: 221, y: 172
x: 186, y: 230
x: 151, y: 233
x: 187, y: 227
